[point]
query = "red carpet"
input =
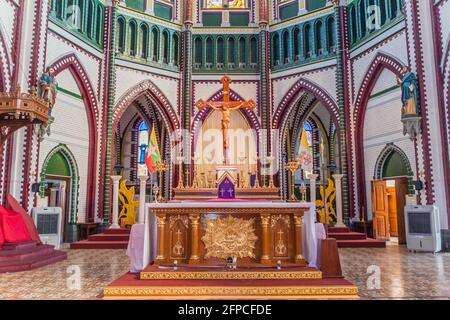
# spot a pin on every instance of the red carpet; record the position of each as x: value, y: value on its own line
x: 111, y: 239
x: 28, y: 255
x: 347, y: 239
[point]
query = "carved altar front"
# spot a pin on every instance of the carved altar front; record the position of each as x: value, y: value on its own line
x: 210, y: 232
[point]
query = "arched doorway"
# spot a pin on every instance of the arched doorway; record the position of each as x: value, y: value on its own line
x: 59, y: 188
x: 392, y: 183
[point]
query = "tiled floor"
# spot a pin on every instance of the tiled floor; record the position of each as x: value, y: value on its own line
x: 402, y: 274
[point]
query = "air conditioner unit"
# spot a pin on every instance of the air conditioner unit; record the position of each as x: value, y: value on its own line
x: 423, y: 228
x: 48, y: 223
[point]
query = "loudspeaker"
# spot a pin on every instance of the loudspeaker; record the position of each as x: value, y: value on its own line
x: 418, y: 185
x: 35, y: 187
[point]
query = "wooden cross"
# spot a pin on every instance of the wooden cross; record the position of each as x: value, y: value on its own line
x: 225, y: 106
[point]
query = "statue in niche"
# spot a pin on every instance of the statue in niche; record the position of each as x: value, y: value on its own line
x: 48, y: 86
x: 410, y: 94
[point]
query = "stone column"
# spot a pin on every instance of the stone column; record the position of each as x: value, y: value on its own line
x: 142, y: 187
x: 161, y: 223
x: 115, y: 211
x: 298, y: 221
x: 195, y: 231
x: 339, y: 215
x: 313, y: 178
x: 265, y: 258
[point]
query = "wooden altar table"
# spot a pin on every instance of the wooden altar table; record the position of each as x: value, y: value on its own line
x: 209, y: 232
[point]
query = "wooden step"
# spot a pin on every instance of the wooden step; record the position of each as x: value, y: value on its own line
x: 347, y: 236
x: 18, y: 246
x: 109, y: 237
x: 338, y: 229
x: 33, y: 252
x: 117, y: 231
x: 33, y: 262
x: 367, y: 243
x: 85, y: 244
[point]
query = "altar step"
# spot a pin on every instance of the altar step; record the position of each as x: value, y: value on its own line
x: 27, y: 256
x: 347, y: 239
x: 215, y: 283
x: 110, y: 239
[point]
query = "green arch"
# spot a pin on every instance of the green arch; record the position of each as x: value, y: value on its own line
x: 61, y: 161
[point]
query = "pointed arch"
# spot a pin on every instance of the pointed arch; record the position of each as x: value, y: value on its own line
x: 5, y: 65
x: 74, y: 174
x: 387, y: 151
x: 73, y: 64
x: 300, y: 87
x: 149, y: 89
x: 380, y: 62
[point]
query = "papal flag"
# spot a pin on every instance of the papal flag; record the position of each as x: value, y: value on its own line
x: 304, y: 154
x: 152, y: 156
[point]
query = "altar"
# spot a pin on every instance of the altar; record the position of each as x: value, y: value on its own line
x: 210, y: 232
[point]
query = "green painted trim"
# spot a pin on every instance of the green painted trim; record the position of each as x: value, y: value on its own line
x: 70, y: 93
x: 383, y: 92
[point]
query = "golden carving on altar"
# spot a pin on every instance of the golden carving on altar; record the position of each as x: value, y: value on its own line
x: 230, y: 237
x: 128, y: 213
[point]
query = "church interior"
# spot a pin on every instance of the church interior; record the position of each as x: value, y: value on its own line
x: 224, y: 149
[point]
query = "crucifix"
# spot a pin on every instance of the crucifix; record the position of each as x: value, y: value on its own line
x: 225, y: 106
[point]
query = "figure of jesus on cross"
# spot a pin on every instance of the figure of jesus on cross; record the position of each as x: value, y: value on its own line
x: 225, y: 106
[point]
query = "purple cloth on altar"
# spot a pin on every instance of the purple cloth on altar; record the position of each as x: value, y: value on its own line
x: 320, y: 234
x: 226, y: 189
x: 135, y: 248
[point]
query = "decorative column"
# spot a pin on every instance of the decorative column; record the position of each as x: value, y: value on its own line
x: 142, y: 187
x: 265, y: 258
x: 161, y: 225
x: 195, y: 239
x: 115, y: 213
x: 338, y: 184
x: 149, y: 7
x: 312, y: 191
x: 298, y: 221
x: 302, y: 7
x: 110, y: 78
x: 343, y: 99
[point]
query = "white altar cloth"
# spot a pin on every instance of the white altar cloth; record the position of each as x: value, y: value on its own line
x: 308, y: 229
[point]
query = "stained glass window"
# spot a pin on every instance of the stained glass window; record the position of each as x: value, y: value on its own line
x: 225, y: 4
x: 142, y: 148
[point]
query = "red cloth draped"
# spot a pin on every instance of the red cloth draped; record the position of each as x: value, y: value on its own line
x: 13, y: 227
x: 31, y: 227
x: 2, y: 238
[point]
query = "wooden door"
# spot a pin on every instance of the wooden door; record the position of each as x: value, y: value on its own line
x: 392, y: 209
x: 401, y: 190
x: 380, y: 210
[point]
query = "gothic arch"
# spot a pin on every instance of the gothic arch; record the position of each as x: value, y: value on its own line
x: 73, y: 64
x: 159, y: 100
x: 380, y: 62
x: 387, y: 151
x: 70, y: 158
x: 301, y: 86
x: 5, y: 65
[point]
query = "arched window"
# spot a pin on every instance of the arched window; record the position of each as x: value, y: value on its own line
x: 165, y: 47
x: 58, y: 5
x: 143, y: 39
x: 296, y: 42
x: 132, y: 42
x: 220, y: 51
x: 383, y: 12
x: 353, y: 22
x: 99, y: 25
x: 242, y: 52
x: 175, y: 49
x: 155, y: 44
x: 79, y: 16
x: 308, y: 130
x: 394, y: 9
x: 198, y: 52
x: 209, y: 51
x: 231, y: 51
x: 90, y: 19
x: 276, y: 49
x: 121, y: 35
x: 253, y: 51
x: 331, y: 32
x: 286, y: 57
x: 362, y: 18
x: 319, y: 38
x: 143, y: 136
x: 307, y: 37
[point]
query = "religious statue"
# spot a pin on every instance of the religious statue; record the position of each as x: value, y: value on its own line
x: 225, y: 106
x: 410, y: 94
x: 48, y: 86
